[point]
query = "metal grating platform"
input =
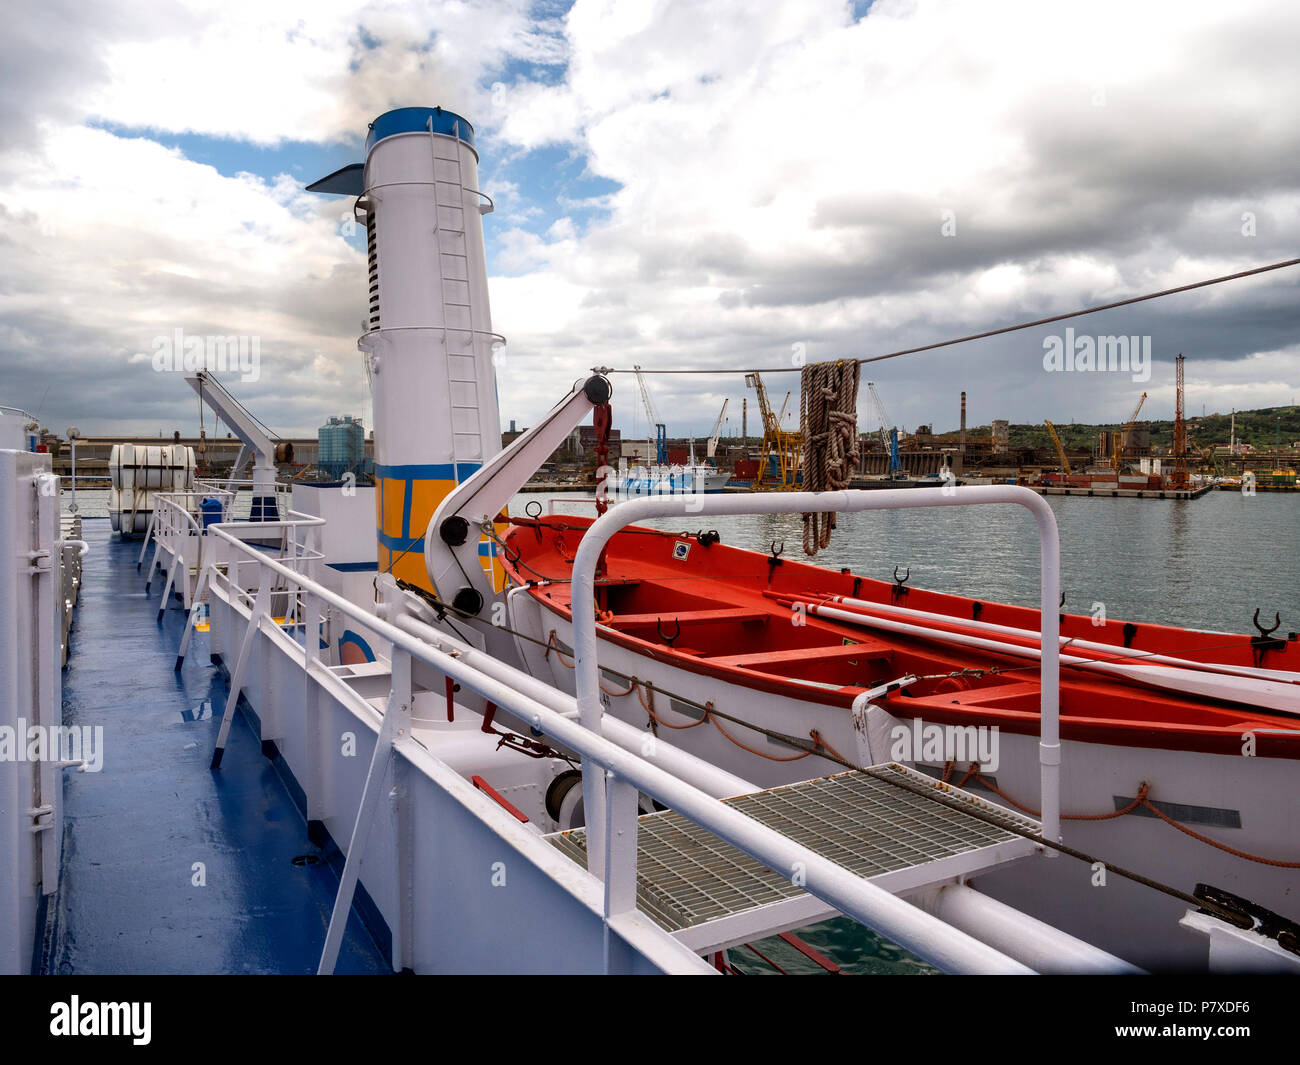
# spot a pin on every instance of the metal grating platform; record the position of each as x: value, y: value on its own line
x: 687, y: 877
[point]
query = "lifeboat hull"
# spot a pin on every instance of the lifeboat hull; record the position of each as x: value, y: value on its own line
x: 697, y: 642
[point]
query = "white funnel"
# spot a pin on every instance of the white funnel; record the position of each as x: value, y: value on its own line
x: 429, y: 338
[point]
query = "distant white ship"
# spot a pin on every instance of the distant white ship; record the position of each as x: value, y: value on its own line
x: 690, y: 479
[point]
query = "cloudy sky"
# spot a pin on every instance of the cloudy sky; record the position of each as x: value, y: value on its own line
x: 679, y: 184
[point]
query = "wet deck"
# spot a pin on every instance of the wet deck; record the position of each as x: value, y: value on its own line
x: 167, y: 866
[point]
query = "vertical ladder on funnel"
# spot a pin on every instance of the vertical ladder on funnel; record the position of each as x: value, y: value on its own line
x: 457, y: 318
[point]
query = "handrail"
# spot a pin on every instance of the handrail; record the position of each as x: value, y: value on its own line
x: 912, y: 928
x: 166, y: 500
x: 174, y: 525
x: 603, y: 529
x: 171, y: 526
x: 243, y: 482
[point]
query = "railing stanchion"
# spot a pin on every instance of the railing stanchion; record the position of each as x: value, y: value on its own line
x: 153, y: 565
x: 1049, y: 715
x: 620, y: 853
x: 311, y: 621
x: 148, y: 531
x: 260, y: 608
x: 167, y: 588
x: 396, y: 722
x: 195, y: 608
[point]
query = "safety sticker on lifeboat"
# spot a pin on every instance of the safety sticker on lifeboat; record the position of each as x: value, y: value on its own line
x: 681, y: 549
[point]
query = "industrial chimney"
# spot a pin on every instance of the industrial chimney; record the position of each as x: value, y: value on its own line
x: 961, y: 440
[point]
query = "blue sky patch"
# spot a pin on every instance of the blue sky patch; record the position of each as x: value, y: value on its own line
x: 553, y: 183
x: 305, y: 160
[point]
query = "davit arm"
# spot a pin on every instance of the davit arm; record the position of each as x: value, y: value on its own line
x: 452, y: 538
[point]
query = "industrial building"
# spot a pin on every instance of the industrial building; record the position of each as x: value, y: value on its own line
x: 341, y: 447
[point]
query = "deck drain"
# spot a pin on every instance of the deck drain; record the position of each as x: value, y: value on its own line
x: 306, y: 859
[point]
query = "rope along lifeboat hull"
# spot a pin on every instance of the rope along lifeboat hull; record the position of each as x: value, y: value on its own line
x: 1174, y: 740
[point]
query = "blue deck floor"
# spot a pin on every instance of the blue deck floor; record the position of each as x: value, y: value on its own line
x: 136, y: 831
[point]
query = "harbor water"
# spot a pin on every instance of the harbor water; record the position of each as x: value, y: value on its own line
x: 1205, y: 563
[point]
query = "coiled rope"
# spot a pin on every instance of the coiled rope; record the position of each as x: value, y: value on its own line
x: 828, y: 414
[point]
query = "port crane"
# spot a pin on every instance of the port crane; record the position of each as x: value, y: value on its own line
x: 1060, y: 449
x: 1121, y: 440
x: 661, y: 431
x: 717, y: 430
x: 888, y: 436
x: 787, y: 447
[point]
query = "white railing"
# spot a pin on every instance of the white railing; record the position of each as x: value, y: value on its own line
x: 178, y: 533
x: 235, y: 494
x: 177, y: 537
x: 299, y: 553
x: 622, y: 774
x: 601, y: 531
x: 186, y: 502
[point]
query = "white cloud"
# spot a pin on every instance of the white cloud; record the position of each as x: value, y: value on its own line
x: 267, y: 72
x: 116, y: 240
x: 781, y: 175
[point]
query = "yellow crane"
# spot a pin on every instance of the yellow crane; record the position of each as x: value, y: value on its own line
x: 1121, y: 440
x: 787, y: 446
x: 1060, y: 450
